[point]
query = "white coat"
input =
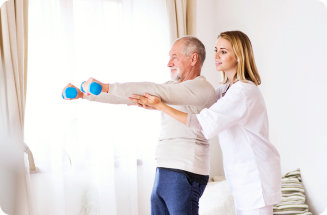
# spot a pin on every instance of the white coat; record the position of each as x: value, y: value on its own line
x: 251, y: 162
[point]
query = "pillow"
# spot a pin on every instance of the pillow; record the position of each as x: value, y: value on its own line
x: 324, y: 213
x: 217, y: 198
x: 1, y: 212
x: 293, y: 196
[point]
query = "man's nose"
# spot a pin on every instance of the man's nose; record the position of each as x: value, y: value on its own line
x: 170, y: 63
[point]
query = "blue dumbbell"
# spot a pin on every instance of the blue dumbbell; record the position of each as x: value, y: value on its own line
x: 82, y: 87
x: 70, y: 92
x: 95, y: 88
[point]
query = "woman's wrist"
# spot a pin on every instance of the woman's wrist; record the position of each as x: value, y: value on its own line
x: 161, y: 106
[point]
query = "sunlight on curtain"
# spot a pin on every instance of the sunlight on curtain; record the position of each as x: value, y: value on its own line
x: 87, y: 152
x: 2, y: 2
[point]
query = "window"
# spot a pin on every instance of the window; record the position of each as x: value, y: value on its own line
x: 112, y: 41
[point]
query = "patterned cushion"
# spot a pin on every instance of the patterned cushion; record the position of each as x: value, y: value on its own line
x: 293, y: 196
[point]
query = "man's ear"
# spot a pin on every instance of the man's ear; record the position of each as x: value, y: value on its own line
x: 195, y: 58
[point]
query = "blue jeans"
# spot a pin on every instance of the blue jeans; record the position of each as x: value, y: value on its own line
x: 174, y: 194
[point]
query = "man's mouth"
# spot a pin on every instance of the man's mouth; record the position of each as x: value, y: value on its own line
x: 175, y: 74
x: 173, y: 69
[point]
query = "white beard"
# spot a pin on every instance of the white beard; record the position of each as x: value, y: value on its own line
x: 176, y: 76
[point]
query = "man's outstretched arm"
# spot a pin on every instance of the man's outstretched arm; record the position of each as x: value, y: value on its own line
x: 104, y: 98
x: 197, y: 92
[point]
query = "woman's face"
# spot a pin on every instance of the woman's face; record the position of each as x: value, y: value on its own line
x: 225, y: 57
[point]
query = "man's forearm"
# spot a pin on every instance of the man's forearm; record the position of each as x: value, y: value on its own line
x: 107, y: 98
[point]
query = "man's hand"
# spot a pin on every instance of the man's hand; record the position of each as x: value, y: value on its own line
x: 147, y: 101
x: 79, y: 92
x: 86, y: 86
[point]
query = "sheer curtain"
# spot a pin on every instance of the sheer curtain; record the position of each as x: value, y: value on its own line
x: 13, y: 53
x: 93, y: 158
x: 2, y: 1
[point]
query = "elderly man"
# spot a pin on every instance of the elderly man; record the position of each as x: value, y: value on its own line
x: 182, y: 154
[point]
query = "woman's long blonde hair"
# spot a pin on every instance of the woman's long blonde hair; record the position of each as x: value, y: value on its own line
x: 246, y: 68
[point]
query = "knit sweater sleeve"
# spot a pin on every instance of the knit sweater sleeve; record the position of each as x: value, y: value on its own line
x: 107, y: 98
x: 193, y: 122
x: 196, y: 92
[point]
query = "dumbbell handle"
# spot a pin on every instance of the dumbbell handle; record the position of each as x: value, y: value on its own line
x: 94, y: 88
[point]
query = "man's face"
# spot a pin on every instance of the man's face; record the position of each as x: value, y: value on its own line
x: 178, y: 63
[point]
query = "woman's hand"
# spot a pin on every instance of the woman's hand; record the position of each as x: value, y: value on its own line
x: 153, y: 102
x: 147, y: 101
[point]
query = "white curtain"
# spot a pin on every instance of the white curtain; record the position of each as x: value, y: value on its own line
x: 2, y: 1
x: 13, y: 56
x: 93, y: 158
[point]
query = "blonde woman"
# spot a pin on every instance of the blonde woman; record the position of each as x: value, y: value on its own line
x: 239, y: 118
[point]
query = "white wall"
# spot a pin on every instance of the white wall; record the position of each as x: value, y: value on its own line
x: 202, y: 21
x: 290, y: 45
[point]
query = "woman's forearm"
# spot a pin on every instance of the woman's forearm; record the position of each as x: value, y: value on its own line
x: 176, y: 114
x: 153, y: 102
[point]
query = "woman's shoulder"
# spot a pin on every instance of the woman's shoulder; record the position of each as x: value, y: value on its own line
x: 247, y: 89
x: 245, y: 85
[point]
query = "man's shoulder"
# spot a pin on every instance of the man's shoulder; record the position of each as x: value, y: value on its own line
x: 199, y: 80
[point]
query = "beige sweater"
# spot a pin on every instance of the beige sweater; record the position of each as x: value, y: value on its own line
x: 179, y: 147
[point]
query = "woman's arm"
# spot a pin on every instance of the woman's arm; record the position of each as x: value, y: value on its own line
x: 153, y: 102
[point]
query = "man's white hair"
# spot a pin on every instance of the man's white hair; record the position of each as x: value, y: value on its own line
x: 192, y: 45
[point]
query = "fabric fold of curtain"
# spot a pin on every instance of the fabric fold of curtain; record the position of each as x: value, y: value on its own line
x: 177, y: 18
x: 180, y: 13
x: 13, y: 64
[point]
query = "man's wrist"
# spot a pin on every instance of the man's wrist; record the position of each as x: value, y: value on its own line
x: 105, y: 88
x: 80, y: 95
